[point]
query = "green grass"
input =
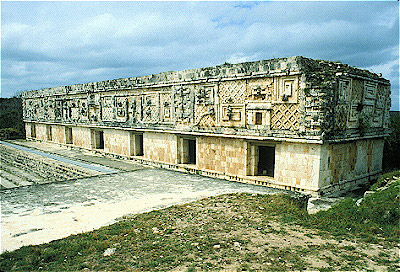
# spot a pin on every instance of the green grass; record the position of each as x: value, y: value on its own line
x: 377, y: 216
x: 186, y: 236
x: 383, y: 179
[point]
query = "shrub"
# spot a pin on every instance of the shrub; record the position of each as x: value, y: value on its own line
x: 391, y: 148
x: 11, y: 133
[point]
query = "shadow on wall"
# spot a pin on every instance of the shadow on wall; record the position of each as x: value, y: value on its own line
x: 391, y: 149
x: 11, y: 119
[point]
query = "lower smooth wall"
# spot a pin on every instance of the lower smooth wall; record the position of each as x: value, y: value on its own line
x: 351, y: 161
x: 117, y: 142
x: 297, y: 165
x: 160, y: 147
x: 222, y: 154
x: 41, y: 132
x: 58, y: 133
x: 81, y: 136
x: 28, y: 130
x: 305, y: 166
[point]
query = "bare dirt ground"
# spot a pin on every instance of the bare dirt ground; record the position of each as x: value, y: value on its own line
x: 246, y: 238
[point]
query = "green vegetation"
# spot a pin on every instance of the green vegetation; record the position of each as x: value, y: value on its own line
x: 376, y: 217
x: 391, y: 148
x: 235, y: 232
x: 11, y: 121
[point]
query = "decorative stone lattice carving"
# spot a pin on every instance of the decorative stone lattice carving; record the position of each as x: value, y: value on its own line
x: 331, y: 98
x: 341, y: 114
x: 205, y: 116
x: 285, y: 116
x: 233, y: 92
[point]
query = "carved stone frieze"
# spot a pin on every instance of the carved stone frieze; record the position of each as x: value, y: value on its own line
x: 287, y: 96
x: 183, y: 100
x: 285, y: 117
x: 150, y: 108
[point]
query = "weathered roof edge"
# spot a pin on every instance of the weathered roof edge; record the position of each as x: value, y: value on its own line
x: 276, y: 65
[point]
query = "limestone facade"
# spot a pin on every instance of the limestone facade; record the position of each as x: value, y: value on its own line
x: 293, y: 123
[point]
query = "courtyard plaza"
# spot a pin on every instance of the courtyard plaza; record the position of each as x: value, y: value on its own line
x: 41, y: 213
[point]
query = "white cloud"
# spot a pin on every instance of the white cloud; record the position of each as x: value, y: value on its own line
x: 11, y: 29
x: 240, y: 57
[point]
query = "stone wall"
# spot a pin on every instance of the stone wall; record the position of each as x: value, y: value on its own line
x: 223, y: 155
x: 82, y: 137
x: 282, y: 98
x: 41, y: 132
x: 298, y: 165
x: 117, y: 142
x: 28, y: 130
x: 161, y: 147
x: 354, y: 161
x: 58, y: 134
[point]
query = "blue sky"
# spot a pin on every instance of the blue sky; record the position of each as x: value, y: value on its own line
x: 48, y: 44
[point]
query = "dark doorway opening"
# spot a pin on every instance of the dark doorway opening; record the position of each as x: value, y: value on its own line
x: 266, y: 161
x: 97, y: 139
x: 33, y: 130
x: 101, y: 140
x: 139, y: 141
x: 259, y: 118
x: 136, y: 144
x: 68, y: 135
x: 192, y: 151
x: 49, y: 133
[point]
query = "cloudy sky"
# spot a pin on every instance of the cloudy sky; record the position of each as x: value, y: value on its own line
x: 48, y: 44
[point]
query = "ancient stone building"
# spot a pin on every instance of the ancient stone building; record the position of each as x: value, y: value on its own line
x: 293, y: 123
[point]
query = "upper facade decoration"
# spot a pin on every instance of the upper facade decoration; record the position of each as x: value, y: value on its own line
x: 292, y: 97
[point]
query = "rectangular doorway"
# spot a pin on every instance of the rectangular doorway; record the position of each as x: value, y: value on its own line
x: 266, y: 161
x: 98, y: 139
x: 68, y: 135
x: 49, y: 133
x: 192, y: 151
x: 136, y: 141
x: 259, y: 118
x: 33, y: 130
x: 188, y: 150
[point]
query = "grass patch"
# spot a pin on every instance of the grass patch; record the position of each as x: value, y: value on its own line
x: 377, y: 216
x: 384, y: 179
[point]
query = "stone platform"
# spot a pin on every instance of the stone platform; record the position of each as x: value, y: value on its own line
x: 22, y: 167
